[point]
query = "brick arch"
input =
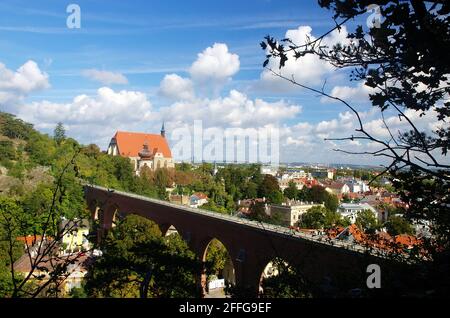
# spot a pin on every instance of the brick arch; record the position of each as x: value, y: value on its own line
x: 205, y: 244
x: 262, y: 268
x: 251, y: 245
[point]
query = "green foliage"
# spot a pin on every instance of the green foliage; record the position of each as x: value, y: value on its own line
x: 314, y: 218
x: 291, y: 192
x: 78, y: 292
x: 287, y: 282
x: 17, y: 170
x: 8, y: 210
x: 257, y: 212
x: 41, y: 149
x: 318, y: 194
x: 241, y: 181
x: 319, y: 217
x: 398, y: 225
x: 138, y: 262
x: 211, y: 206
x: 7, y: 150
x: 59, y: 133
x: 409, y: 47
x: 216, y: 258
x: 270, y: 189
x: 14, y: 128
x: 367, y: 221
x: 184, y: 166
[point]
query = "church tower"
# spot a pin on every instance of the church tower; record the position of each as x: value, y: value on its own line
x: 163, y: 131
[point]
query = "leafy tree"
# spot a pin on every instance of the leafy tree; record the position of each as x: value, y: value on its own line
x: 346, y: 199
x: 314, y: 218
x: 403, y: 61
x: 14, y: 128
x: 211, y: 206
x: 216, y: 258
x: 40, y: 217
x: 286, y: 282
x: 318, y: 194
x: 251, y: 190
x: 398, y: 225
x: 333, y: 218
x: 291, y: 191
x: 78, y: 292
x: 59, y: 133
x: 138, y: 262
x: 9, y: 251
x: 258, y: 212
x: 367, y: 221
x: 270, y: 189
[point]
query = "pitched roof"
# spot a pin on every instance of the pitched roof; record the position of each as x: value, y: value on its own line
x: 130, y: 143
x: 334, y: 185
x: 30, y: 239
x: 23, y: 264
x: 407, y: 240
x: 200, y: 195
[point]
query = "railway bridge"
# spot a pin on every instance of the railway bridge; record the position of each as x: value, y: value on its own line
x: 331, y: 265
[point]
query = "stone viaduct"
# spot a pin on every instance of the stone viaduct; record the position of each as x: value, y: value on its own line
x: 336, y: 267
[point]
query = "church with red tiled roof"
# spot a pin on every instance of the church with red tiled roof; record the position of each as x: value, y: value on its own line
x: 144, y: 150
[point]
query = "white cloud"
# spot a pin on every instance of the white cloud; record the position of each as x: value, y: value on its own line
x: 105, y: 77
x: 309, y: 69
x: 92, y: 118
x: 16, y: 85
x: 215, y: 64
x: 353, y: 94
x: 234, y: 110
x: 176, y: 87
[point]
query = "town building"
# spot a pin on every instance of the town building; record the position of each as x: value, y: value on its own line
x: 76, y: 236
x: 290, y: 212
x: 323, y: 174
x: 351, y: 210
x: 357, y: 186
x: 198, y: 199
x: 336, y: 188
x: 76, y: 271
x: 179, y: 199
x: 244, y: 206
x: 269, y: 170
x: 144, y: 150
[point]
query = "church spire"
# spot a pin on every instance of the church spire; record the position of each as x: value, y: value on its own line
x: 163, y: 131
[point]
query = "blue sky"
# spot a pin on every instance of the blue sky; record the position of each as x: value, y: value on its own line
x: 131, y: 65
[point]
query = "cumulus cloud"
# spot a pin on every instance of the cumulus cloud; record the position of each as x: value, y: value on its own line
x: 355, y: 94
x: 215, y: 64
x: 308, y: 69
x: 176, y: 87
x: 305, y: 141
x: 235, y: 110
x: 105, y: 77
x: 92, y: 117
x: 15, y: 85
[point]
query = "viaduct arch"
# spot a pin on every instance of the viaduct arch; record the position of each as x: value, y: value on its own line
x: 252, y: 245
